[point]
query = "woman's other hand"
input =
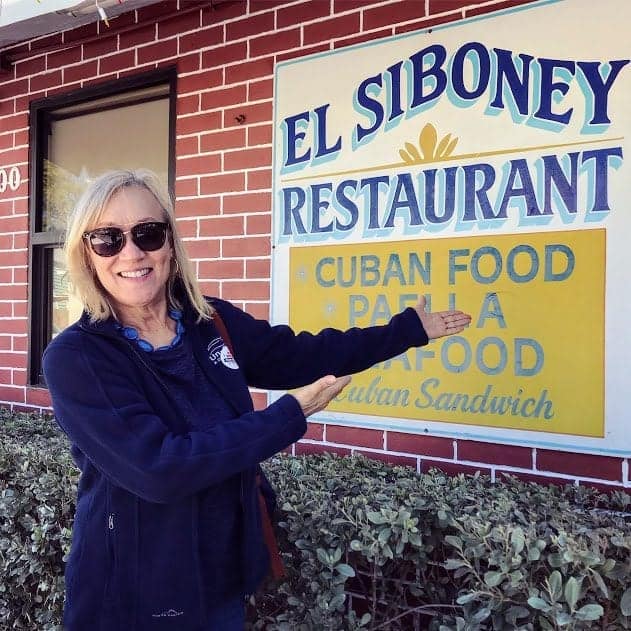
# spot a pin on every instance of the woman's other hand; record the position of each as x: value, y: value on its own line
x: 317, y: 395
x: 441, y: 323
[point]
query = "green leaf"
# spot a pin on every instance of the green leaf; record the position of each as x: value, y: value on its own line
x: 337, y: 601
x: 562, y: 618
x: 366, y: 618
x: 323, y: 557
x: 454, y: 541
x: 336, y: 556
x: 571, y: 591
x: 518, y: 540
x: 590, y: 559
x: 384, y: 535
x: 589, y: 612
x: 515, y: 612
x: 345, y: 570
x: 538, y: 603
x: 481, y: 615
x: 454, y: 564
x: 555, y: 559
x: 492, y: 579
x: 601, y: 584
x: 534, y: 554
x: 376, y: 518
x: 625, y: 602
x: 556, y: 585
x: 467, y: 598
x: 415, y: 540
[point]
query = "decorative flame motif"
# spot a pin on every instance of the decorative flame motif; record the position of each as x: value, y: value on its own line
x: 429, y: 149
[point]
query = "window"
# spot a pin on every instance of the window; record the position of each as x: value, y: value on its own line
x: 74, y: 138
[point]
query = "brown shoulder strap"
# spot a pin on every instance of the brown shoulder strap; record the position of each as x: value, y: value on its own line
x: 223, y: 331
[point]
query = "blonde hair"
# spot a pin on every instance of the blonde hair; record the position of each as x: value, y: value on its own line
x: 85, y: 285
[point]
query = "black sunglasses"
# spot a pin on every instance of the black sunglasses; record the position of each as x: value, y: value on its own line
x: 148, y: 236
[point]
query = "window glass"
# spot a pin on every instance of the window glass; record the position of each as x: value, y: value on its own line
x: 65, y: 308
x: 86, y: 145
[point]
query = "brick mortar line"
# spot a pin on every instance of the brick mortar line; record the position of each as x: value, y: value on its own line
x: 494, y: 468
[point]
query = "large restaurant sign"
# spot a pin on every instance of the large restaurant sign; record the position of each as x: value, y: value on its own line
x: 481, y: 165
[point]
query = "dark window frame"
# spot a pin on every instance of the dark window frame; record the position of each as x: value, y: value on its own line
x: 41, y: 244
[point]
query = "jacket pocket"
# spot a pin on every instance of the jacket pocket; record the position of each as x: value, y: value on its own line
x: 169, y: 594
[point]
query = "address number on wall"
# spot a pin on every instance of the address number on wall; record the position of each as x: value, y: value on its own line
x: 10, y: 178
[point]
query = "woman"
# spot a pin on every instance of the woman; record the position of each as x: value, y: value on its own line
x: 167, y: 531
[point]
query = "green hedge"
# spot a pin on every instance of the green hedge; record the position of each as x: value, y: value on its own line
x: 366, y: 545
x: 38, y: 485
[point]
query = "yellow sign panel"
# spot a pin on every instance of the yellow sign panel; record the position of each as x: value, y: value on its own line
x: 533, y: 357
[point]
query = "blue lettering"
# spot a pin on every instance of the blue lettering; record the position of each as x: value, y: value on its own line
x: 601, y: 163
x: 456, y: 267
x: 294, y: 138
x: 475, y: 193
x: 404, y: 197
x: 522, y: 343
x: 370, y: 275
x: 434, y: 72
x: 549, y: 87
x: 344, y: 202
x: 317, y: 206
x: 320, y: 126
x: 293, y: 200
x: 570, y: 261
x: 457, y: 341
x: 566, y: 188
x: 519, y: 171
x: 357, y: 308
x: 475, y: 264
x: 318, y: 272
x: 482, y: 69
x: 534, y: 263
x: 491, y: 309
x: 507, y: 74
x: 369, y: 105
x: 600, y: 87
x: 373, y: 198
x: 503, y: 355
x: 393, y: 80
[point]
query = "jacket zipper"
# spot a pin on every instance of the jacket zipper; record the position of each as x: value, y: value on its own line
x: 167, y: 392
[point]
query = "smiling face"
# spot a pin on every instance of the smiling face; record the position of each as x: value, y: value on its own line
x: 134, y: 280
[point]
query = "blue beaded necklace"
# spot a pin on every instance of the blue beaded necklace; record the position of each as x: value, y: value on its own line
x: 130, y: 333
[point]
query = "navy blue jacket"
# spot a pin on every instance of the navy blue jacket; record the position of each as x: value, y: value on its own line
x: 134, y: 563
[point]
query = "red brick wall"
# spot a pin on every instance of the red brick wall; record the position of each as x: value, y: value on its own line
x: 225, y: 57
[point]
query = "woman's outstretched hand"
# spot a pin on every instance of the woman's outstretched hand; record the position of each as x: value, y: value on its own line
x: 441, y: 323
x: 317, y: 395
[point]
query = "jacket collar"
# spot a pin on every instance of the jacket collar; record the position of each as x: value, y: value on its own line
x: 201, y: 334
